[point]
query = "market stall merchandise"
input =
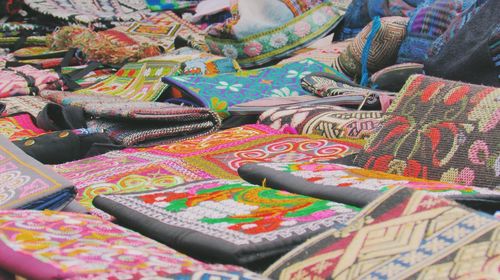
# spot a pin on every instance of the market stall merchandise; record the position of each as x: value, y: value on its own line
x: 238, y: 139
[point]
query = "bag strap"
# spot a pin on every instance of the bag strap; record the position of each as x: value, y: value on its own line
x: 71, y: 78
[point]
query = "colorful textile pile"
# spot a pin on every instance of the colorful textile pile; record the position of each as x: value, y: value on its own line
x: 218, y: 155
x: 238, y: 139
x: 141, y: 80
x: 26, y: 80
x: 125, y: 43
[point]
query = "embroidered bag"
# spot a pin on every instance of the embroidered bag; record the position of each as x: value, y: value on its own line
x: 227, y: 221
x: 26, y: 80
x: 98, y: 250
x: 139, y: 123
x: 440, y: 130
x: 403, y: 234
x: 374, y: 48
x: 222, y: 153
x: 262, y: 30
x: 328, y: 180
x: 27, y: 184
x: 324, y: 120
x: 426, y: 24
x: 475, y: 35
x: 218, y: 92
x: 142, y: 80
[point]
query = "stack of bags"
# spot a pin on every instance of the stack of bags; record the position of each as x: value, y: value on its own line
x: 265, y: 139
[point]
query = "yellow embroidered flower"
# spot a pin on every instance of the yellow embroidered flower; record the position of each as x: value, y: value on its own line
x: 218, y: 105
x: 450, y: 176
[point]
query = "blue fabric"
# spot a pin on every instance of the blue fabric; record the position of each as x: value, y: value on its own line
x: 366, y: 51
x: 361, y: 12
x: 376, y: 8
x: 426, y: 24
x: 219, y: 92
x: 55, y: 201
x: 355, y: 18
x: 161, y: 5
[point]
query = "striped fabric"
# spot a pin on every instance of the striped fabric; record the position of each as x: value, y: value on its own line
x: 427, y: 23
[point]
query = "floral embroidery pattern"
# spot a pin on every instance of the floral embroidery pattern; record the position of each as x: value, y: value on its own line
x: 230, y: 51
x: 253, y: 49
x: 302, y: 29
x: 104, y: 250
x: 236, y: 211
x: 337, y: 175
x: 440, y: 130
x: 273, y: 44
x: 278, y: 40
x: 243, y: 86
x: 284, y: 91
x: 226, y: 85
x: 294, y: 74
